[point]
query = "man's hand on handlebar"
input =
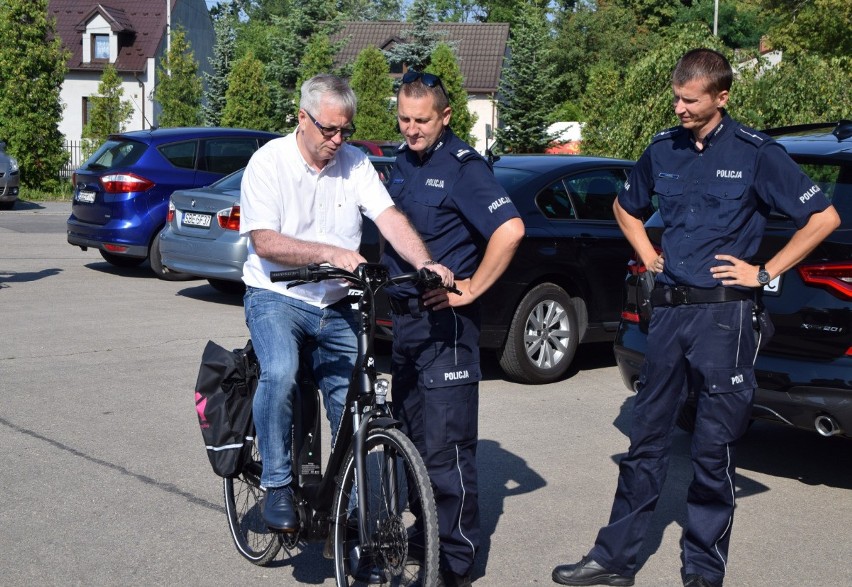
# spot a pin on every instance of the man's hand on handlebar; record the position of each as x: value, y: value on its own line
x: 345, y: 259
x: 447, y: 278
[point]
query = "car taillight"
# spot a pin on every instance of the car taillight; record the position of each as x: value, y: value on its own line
x: 170, y: 215
x: 834, y: 277
x: 122, y: 183
x: 229, y: 219
x: 632, y: 317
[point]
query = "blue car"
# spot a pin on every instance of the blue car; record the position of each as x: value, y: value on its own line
x: 121, y: 193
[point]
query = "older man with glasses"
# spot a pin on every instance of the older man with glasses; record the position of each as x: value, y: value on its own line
x: 301, y: 202
x: 449, y: 193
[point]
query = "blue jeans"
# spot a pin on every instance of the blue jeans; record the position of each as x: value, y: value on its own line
x: 282, y: 329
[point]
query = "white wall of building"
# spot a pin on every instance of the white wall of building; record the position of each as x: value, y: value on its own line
x: 486, y: 111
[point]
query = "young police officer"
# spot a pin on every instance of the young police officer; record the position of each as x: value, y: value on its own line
x: 451, y: 197
x: 716, y: 181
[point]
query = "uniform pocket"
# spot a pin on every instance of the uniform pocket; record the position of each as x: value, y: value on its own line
x: 723, y: 202
x: 452, y: 404
x: 731, y: 380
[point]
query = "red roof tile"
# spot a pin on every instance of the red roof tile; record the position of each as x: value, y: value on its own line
x: 141, y: 22
x: 480, y: 47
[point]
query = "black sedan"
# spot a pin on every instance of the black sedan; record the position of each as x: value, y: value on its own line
x: 804, y: 374
x: 564, y: 285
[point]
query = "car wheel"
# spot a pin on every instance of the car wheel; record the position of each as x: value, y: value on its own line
x: 543, y: 336
x: 156, y: 262
x: 228, y: 287
x: 121, y: 260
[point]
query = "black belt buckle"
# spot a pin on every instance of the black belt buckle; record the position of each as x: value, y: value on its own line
x: 680, y: 295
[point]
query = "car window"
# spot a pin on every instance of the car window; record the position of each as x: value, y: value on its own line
x: 116, y: 153
x: 227, y: 155
x: 180, y: 154
x: 555, y: 202
x: 229, y: 182
x: 593, y: 193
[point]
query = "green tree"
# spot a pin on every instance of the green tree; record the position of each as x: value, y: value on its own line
x: 247, y: 101
x: 108, y: 113
x: 588, y: 37
x: 33, y: 69
x: 653, y: 14
x: 220, y: 61
x: 445, y: 66
x: 358, y: 10
x: 527, y: 88
x: 179, y: 88
x: 371, y: 82
x: 804, y: 87
x: 625, y: 110
x: 422, y: 40
x: 740, y: 24
x: 823, y: 27
x: 318, y: 58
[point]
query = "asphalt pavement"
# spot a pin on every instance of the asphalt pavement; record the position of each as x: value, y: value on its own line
x: 105, y: 480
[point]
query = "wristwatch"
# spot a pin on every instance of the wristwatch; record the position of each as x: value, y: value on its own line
x: 763, y: 277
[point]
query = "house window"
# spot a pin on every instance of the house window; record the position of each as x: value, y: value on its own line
x: 100, y: 47
x: 87, y: 110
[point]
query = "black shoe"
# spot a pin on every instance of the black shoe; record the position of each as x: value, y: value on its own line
x: 450, y: 579
x: 279, y: 512
x: 697, y: 581
x: 588, y: 572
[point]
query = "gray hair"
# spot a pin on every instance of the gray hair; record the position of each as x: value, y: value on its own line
x: 327, y: 87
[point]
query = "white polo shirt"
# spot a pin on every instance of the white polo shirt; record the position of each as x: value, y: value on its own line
x: 281, y: 192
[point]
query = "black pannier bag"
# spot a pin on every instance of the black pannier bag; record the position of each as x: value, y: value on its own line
x: 224, y: 393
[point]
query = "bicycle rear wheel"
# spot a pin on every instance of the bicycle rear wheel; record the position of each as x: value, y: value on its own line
x: 243, y: 499
x: 402, y: 523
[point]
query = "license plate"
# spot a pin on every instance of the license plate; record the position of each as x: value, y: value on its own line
x: 86, y: 196
x: 195, y: 219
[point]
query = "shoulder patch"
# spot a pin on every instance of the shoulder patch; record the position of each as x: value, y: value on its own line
x: 749, y: 135
x: 669, y: 133
x: 466, y: 154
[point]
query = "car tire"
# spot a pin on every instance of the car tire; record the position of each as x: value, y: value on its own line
x: 121, y: 260
x: 228, y: 287
x: 155, y: 260
x: 543, y: 336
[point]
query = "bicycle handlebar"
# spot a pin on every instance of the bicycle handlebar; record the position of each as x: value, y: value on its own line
x: 366, y: 274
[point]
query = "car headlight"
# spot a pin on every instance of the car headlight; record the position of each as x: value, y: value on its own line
x: 13, y: 165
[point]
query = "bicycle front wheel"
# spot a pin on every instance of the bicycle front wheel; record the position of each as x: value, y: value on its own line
x: 243, y: 500
x: 402, y: 523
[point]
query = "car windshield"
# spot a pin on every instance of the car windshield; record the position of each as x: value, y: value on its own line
x: 116, y: 153
x: 835, y: 180
x: 229, y: 182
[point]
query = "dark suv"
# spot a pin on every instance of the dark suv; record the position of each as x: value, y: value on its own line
x: 121, y: 193
x: 804, y: 374
x: 564, y: 284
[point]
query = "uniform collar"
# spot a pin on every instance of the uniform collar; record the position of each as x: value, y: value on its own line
x: 721, y: 129
x: 444, y: 138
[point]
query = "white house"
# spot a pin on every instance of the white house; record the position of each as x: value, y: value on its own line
x: 132, y: 36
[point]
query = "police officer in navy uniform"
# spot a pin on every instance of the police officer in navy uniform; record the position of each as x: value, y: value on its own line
x: 469, y: 225
x: 716, y: 181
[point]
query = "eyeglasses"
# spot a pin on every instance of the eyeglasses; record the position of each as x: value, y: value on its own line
x: 429, y: 80
x: 328, y: 132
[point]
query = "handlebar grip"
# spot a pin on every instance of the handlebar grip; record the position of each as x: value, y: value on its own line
x: 301, y: 274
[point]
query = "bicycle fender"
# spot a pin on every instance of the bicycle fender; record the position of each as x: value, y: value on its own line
x: 383, y: 422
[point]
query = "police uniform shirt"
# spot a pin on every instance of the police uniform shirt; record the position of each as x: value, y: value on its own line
x: 453, y: 201
x: 716, y: 201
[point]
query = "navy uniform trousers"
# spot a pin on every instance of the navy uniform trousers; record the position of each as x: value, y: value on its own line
x: 435, y: 394
x: 709, y: 348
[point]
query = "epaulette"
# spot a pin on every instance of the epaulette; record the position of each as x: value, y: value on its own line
x: 669, y: 133
x: 752, y: 136
x: 466, y: 154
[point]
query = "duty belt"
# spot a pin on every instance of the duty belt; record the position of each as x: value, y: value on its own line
x: 677, y: 295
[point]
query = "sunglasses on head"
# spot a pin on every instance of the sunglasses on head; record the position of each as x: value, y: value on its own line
x: 429, y: 80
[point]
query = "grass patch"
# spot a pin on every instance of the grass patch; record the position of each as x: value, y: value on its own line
x: 63, y: 193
